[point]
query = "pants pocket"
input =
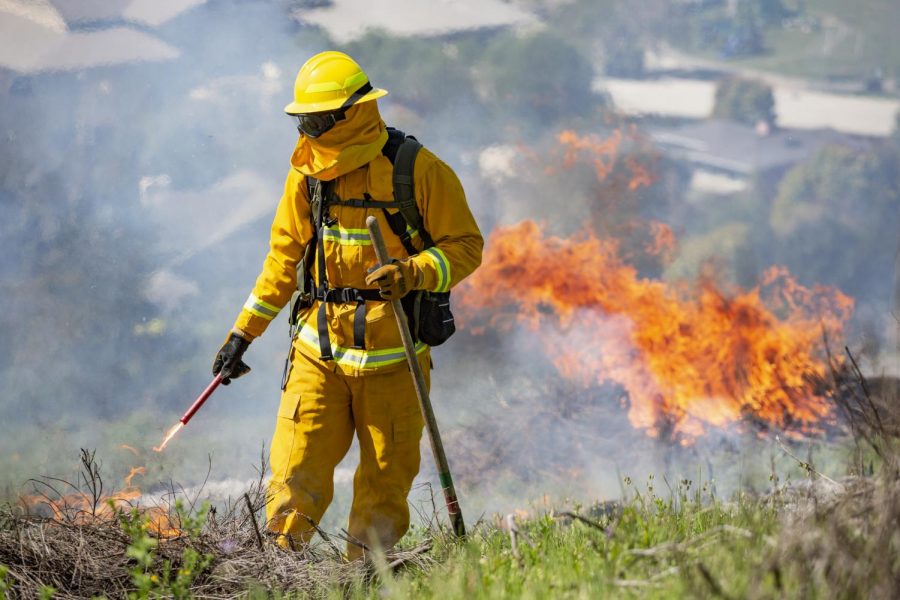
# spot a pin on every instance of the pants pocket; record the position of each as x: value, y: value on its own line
x: 288, y: 407
x: 284, y: 438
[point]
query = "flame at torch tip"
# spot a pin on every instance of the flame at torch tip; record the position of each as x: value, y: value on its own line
x: 169, y: 435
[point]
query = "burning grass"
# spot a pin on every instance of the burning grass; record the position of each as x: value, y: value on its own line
x: 76, y: 541
x: 815, y: 536
x: 665, y: 539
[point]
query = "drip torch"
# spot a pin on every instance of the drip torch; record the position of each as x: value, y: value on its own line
x: 190, y: 412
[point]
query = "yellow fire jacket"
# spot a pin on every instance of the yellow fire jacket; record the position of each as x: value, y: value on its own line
x: 349, y: 254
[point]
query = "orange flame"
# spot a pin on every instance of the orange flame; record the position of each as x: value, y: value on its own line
x: 605, y: 155
x: 663, y: 240
x: 131, y: 449
x: 169, y: 435
x: 80, y: 508
x: 134, y: 471
x: 689, y: 357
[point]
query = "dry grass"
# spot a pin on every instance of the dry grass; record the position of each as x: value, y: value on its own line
x: 842, y: 539
x: 82, y: 549
x: 839, y: 543
x: 835, y: 538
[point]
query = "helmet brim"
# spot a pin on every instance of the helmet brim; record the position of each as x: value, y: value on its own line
x: 297, y: 108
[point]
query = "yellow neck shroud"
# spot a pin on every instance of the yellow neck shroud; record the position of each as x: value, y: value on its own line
x: 352, y: 143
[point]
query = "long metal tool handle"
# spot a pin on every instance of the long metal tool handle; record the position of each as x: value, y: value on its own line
x: 434, y: 435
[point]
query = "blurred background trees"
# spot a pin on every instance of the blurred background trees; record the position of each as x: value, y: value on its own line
x: 835, y: 219
x: 744, y: 100
x: 81, y: 243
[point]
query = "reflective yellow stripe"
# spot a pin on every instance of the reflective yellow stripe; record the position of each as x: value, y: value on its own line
x: 356, y: 237
x: 333, y: 86
x: 354, y: 79
x: 442, y: 265
x: 347, y: 237
x: 352, y: 357
x: 261, y: 308
x: 323, y: 86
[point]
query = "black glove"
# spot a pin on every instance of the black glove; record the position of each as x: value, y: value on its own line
x: 228, y: 361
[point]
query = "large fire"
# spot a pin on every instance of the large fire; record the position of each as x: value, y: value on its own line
x: 689, y: 356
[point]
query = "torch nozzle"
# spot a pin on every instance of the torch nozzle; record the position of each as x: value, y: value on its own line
x: 203, y: 397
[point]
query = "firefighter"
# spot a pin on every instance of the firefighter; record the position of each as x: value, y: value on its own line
x: 348, y: 373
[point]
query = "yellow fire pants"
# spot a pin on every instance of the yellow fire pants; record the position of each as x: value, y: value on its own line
x: 317, y: 417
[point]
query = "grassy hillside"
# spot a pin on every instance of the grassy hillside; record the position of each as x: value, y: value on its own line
x: 826, y: 40
x: 816, y: 539
x: 837, y: 40
x: 806, y: 535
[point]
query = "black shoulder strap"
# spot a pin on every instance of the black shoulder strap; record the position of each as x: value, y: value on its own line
x: 395, y: 138
x: 319, y: 207
x: 404, y: 187
x: 401, y: 150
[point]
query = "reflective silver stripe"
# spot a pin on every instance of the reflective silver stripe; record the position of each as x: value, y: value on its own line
x: 348, y: 237
x: 260, y: 308
x: 352, y: 357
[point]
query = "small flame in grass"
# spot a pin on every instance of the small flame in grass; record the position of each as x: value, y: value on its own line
x: 169, y: 435
x: 131, y: 449
x: 134, y: 471
x: 82, y: 507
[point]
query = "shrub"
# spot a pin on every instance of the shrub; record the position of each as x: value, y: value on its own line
x: 744, y: 100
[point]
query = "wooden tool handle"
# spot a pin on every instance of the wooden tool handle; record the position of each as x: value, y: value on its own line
x: 434, y: 435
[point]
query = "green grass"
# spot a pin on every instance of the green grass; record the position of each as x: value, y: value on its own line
x: 686, y: 544
x: 810, y: 537
x: 656, y: 547
x: 665, y: 538
x: 853, y: 40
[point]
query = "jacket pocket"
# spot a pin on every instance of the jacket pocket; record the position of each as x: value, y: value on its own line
x: 381, y: 327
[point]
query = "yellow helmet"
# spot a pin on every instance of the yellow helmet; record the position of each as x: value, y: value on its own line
x: 329, y: 81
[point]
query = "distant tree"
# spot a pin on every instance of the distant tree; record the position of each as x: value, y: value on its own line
x: 623, y: 56
x: 771, y: 12
x: 539, y: 75
x: 836, y: 219
x: 420, y: 73
x: 745, y: 35
x: 745, y: 101
x: 593, y: 24
x: 730, y: 33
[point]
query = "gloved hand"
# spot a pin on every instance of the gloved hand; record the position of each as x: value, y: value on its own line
x: 395, y: 279
x: 228, y: 361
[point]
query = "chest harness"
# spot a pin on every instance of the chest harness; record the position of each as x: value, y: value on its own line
x: 401, y: 150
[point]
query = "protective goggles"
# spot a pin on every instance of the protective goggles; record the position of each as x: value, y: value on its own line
x: 313, y: 125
